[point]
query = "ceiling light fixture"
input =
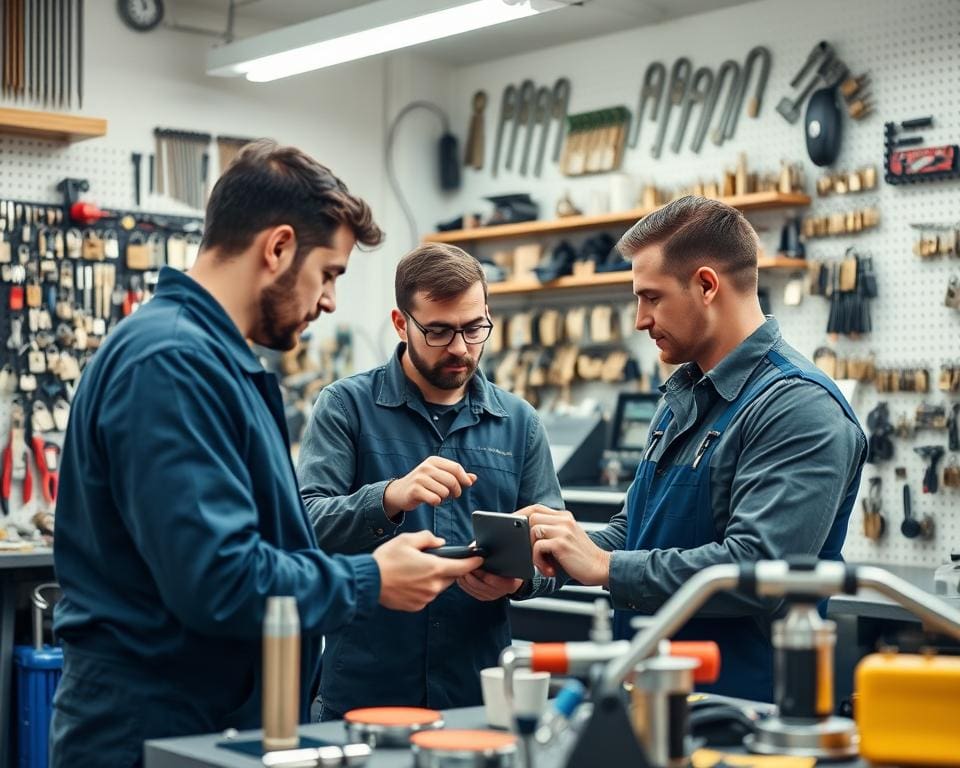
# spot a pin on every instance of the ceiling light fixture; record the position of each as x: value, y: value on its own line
x: 368, y: 30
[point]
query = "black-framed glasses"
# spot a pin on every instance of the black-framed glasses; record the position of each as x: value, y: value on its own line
x: 443, y: 337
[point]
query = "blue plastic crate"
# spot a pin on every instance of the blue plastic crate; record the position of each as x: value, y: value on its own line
x: 38, y: 672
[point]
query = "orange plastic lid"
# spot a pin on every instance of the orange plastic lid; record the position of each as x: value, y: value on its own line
x: 463, y: 741
x: 392, y: 716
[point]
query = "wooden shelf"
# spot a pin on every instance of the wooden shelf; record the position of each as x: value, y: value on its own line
x: 755, y: 202
x: 782, y: 262
x: 622, y: 278
x: 51, y: 125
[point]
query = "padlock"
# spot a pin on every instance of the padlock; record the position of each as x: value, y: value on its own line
x: 951, y: 473
x: 139, y: 252
x: 952, y: 299
x: 92, y: 246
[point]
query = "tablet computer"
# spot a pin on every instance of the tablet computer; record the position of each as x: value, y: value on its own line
x: 505, y: 541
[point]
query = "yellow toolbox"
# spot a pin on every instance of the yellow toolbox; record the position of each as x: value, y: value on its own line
x: 906, y: 709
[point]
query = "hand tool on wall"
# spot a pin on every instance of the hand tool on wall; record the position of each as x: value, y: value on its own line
x: 508, y: 113
x: 528, y: 97
x: 821, y: 50
x: 473, y: 154
x: 80, y: 52
x: 561, y: 105
x: 69, y: 51
x: 61, y: 52
x: 911, y: 527
x: 680, y: 75
x: 761, y: 54
x: 651, y: 90
x: 47, y: 49
x: 544, y: 107
x: 932, y: 455
x: 696, y: 95
x: 731, y: 69
x: 525, y: 94
x: 47, y: 457
x: 15, y: 465
x: 706, y: 113
x: 135, y: 158
x: 924, y: 164
x: 874, y: 523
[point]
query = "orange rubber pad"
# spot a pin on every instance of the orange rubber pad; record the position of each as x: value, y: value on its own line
x: 706, y: 652
x: 392, y: 716
x: 463, y: 741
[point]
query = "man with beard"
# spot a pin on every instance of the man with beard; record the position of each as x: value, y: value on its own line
x: 753, y: 453
x: 422, y: 442
x: 179, y: 512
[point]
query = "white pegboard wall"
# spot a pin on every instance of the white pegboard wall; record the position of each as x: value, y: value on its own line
x: 913, y: 57
x: 30, y: 169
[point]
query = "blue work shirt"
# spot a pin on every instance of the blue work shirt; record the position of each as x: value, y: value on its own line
x: 375, y: 426
x: 178, y: 515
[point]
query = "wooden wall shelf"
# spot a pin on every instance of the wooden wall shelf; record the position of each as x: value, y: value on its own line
x: 754, y: 202
x: 54, y: 126
x: 624, y: 279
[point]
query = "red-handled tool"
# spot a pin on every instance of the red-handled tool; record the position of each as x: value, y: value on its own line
x: 15, y: 460
x: 47, y: 456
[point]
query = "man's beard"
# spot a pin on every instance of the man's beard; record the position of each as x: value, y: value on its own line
x: 439, y: 378
x: 279, y: 326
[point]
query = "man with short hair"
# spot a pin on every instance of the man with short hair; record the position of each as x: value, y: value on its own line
x: 753, y: 452
x: 179, y: 513
x: 422, y: 442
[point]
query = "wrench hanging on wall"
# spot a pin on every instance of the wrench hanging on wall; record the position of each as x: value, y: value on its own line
x: 652, y: 90
x: 680, y: 75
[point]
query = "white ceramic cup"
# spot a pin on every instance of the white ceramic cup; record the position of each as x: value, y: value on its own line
x: 529, y: 694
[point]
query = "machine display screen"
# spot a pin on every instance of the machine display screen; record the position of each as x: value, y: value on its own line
x: 634, y: 414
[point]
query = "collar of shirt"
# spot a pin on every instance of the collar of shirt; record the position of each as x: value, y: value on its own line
x: 179, y: 287
x: 393, y: 388
x: 730, y: 375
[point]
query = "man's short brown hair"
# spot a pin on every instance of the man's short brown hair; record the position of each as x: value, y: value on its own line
x: 441, y: 271
x: 693, y: 231
x: 268, y: 185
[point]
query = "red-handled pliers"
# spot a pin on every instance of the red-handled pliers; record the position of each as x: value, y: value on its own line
x: 47, y: 456
x: 17, y: 450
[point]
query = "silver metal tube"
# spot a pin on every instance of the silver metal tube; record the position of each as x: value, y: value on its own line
x: 671, y: 617
x: 512, y: 658
x: 935, y: 612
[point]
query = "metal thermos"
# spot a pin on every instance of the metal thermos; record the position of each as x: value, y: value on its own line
x: 660, y: 712
x: 281, y: 674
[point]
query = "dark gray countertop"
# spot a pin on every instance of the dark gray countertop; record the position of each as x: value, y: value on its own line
x: 36, y: 558
x: 203, y: 752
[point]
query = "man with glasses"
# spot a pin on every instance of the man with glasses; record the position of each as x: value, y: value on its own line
x: 420, y: 443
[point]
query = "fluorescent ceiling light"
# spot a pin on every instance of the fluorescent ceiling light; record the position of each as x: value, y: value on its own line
x: 371, y: 29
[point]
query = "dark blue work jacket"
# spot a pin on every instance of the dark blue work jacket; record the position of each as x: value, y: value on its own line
x: 178, y: 515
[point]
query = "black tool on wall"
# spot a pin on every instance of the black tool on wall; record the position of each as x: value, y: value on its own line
x: 932, y: 455
x: 823, y: 126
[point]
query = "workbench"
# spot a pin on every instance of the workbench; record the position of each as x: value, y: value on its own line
x: 203, y: 752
